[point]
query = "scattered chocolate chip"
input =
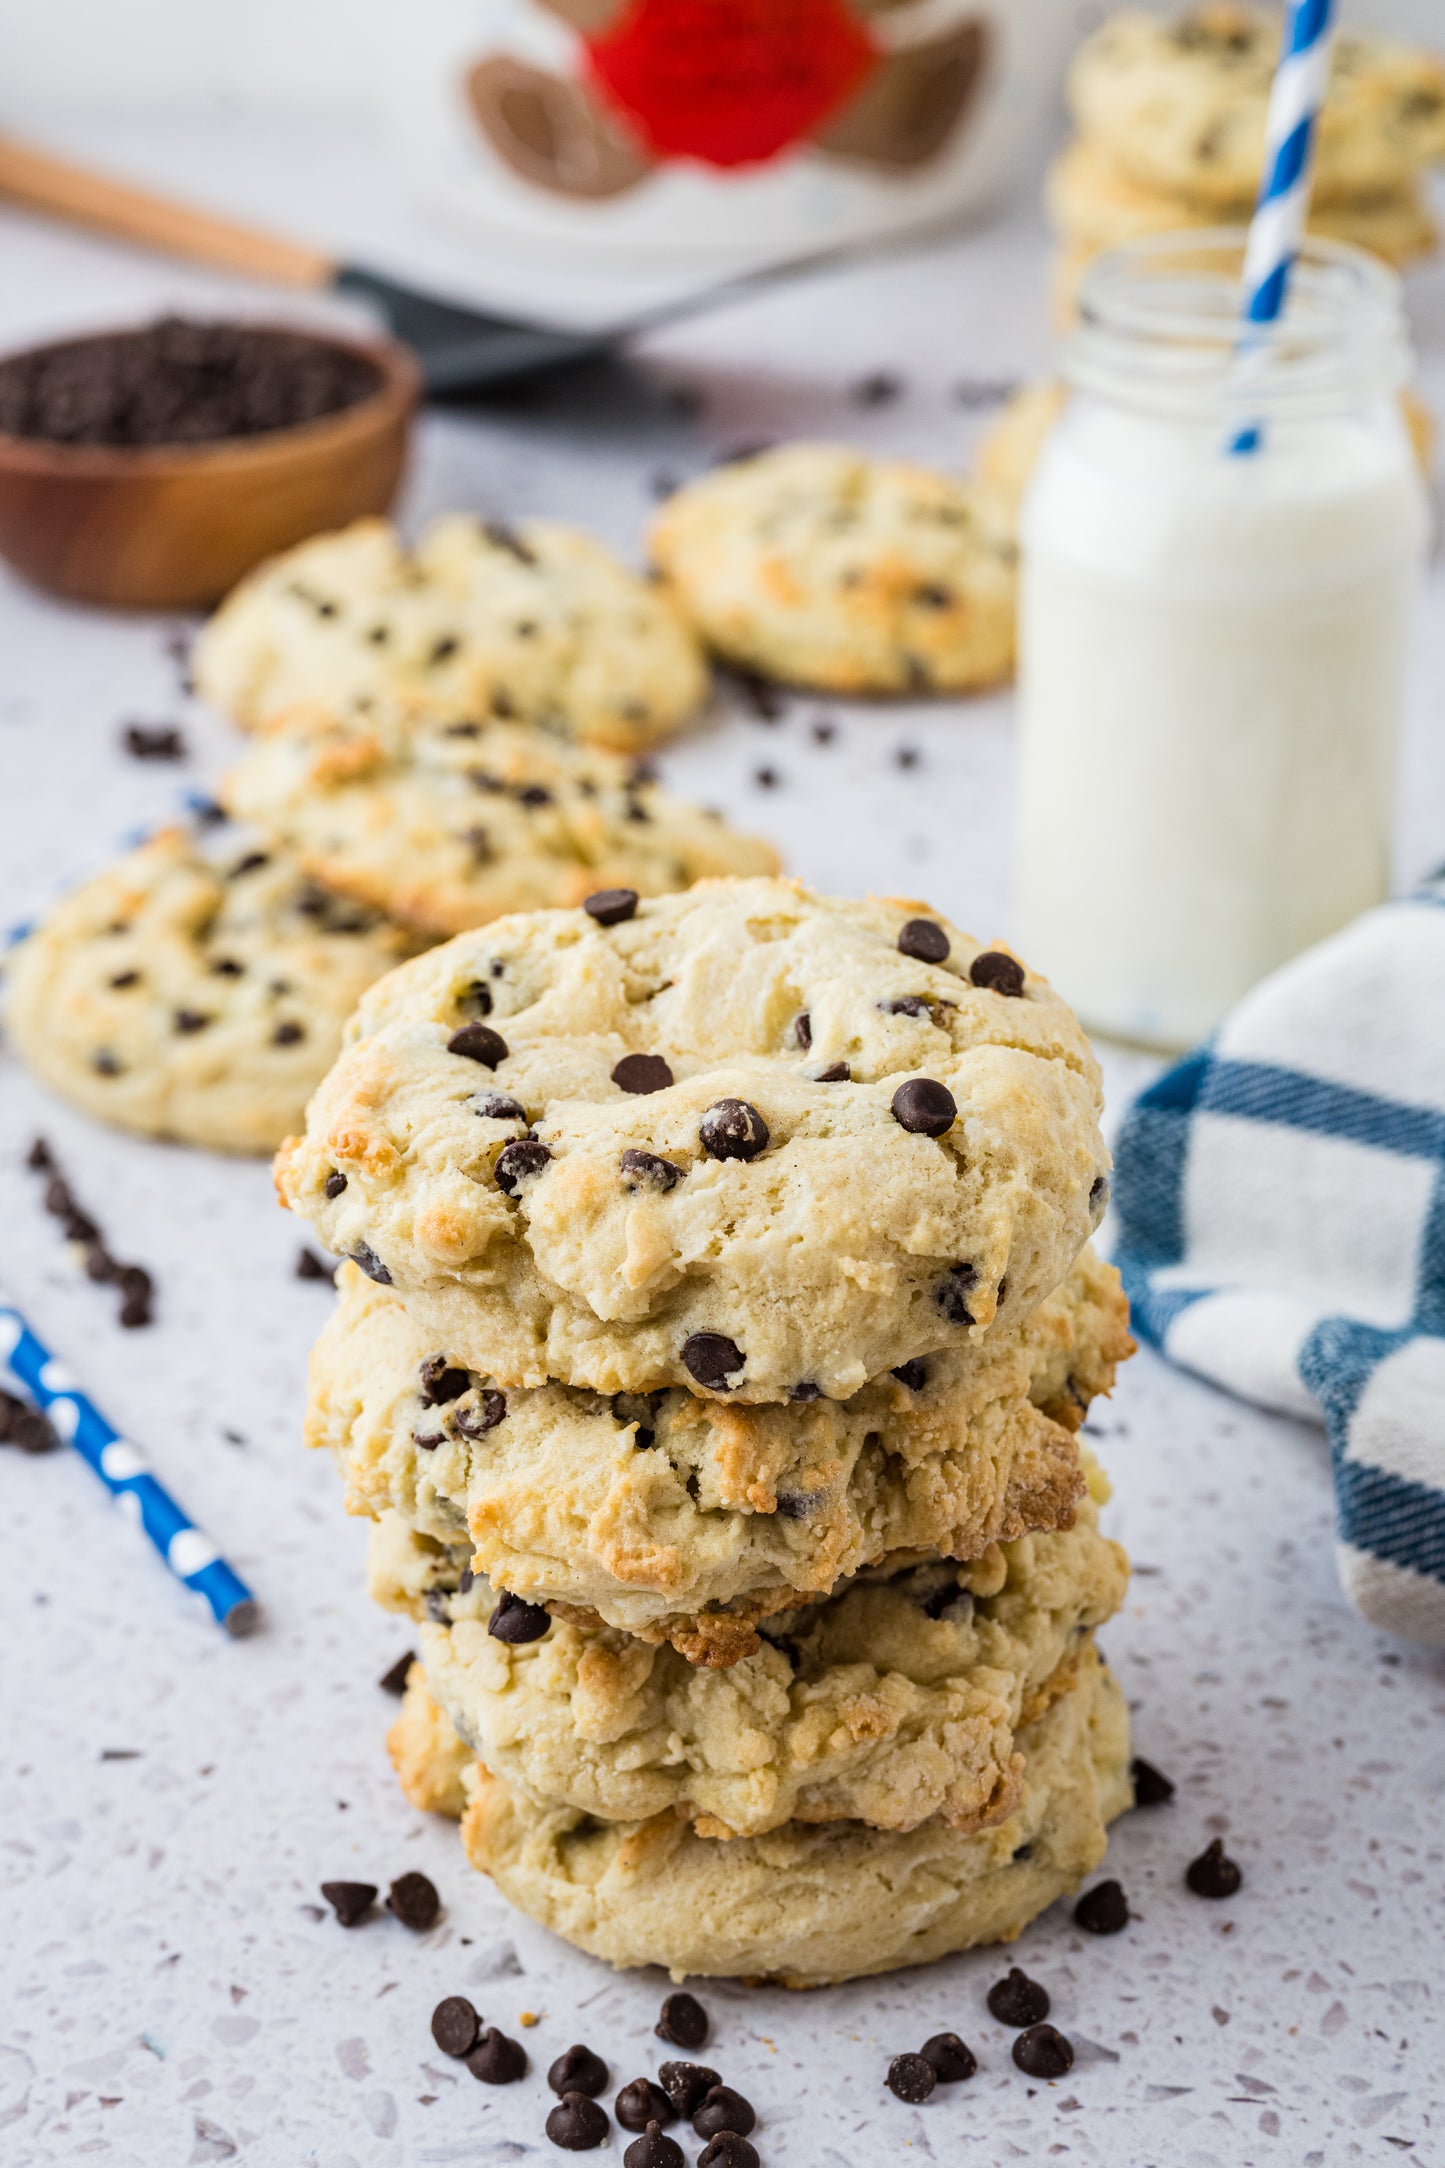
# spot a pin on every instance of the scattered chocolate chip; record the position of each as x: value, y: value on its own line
x: 767, y: 778
x: 653, y: 2150
x: 687, y: 2085
x: 642, y: 1073
x: 924, y: 940
x: 104, y: 1062
x: 732, y: 1129
x: 190, y: 1020
x: 476, y: 1422
x: 134, y: 1283
x: 123, y: 979
x: 1103, y: 1910
x: 475, y: 998
x: 913, y: 1374
x: 1214, y: 1873
x: 950, y: 1293
x: 335, y: 1183
x: 393, y: 1681
x: 578, y: 2070
x: 610, y: 906
x: 251, y: 863
x: 948, y: 2058
x: 25, y: 1427
x: 879, y: 389
x: 311, y: 1267
x: 837, y: 1072
x: 350, y: 1901
x: 365, y: 1256
x: 517, y: 1163
x: 1001, y: 974
x: 907, y: 1005
x: 577, y: 2124
x: 478, y: 1042
x: 641, y: 2103
x: 729, y: 2149
x: 1017, y: 2000
x: 1151, y: 1787
x: 499, y: 1107
x: 1043, y: 2053
x: 805, y: 1389
x: 517, y: 1621
x: 722, y: 2109
x: 911, y: 2078
x: 1099, y: 1193
x: 824, y: 731
x: 441, y: 1382
x: 414, y: 1900
x: 924, y: 1107
x: 907, y: 756
x: 496, y: 2060
x: 160, y: 742
x: 503, y: 537
x: 712, y: 1359
x: 803, y: 1030
x: 645, y: 1170
x: 455, y: 2026
x: 682, y: 2021
x: 288, y: 1033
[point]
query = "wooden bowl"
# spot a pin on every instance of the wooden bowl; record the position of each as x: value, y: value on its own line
x: 175, y: 526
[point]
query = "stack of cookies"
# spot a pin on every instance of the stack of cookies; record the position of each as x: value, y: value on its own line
x: 716, y: 1325
x: 1171, y: 130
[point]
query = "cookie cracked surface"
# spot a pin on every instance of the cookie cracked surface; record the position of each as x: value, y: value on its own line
x: 549, y: 1210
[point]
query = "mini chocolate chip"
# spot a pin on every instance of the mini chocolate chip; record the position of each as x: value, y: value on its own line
x: 913, y: 1374
x: 476, y: 996
x: 1017, y: 2000
x: 440, y: 1382
x: 1103, y: 1910
x: 427, y: 1441
x: 188, y: 1020
x: 393, y: 1681
x: 712, y: 1359
x: 161, y: 743
x: 499, y: 1107
x: 642, y: 1073
x: 455, y: 2026
x: 1214, y: 1873
x: 767, y: 778
x: 1043, y: 2053
x: 311, y: 1267
x: 911, y: 2078
x: 803, y: 1030
x: 1151, y: 1787
x: 128, y: 978
x: 251, y: 863
x: 350, y: 1901
x: 224, y: 967
x: 924, y: 1107
x: 645, y: 1170
x: 478, y: 1042
x: 950, y: 1293
x: 534, y: 794
x: 641, y: 2103
x: 1001, y: 974
x: 805, y: 1389
x: 517, y: 1163
x: 732, y: 1129
x: 414, y: 1900
x: 578, y: 2070
x: 729, y: 2149
x: 1099, y: 1193
x: 682, y: 2022
x: 288, y: 1033
x: 837, y: 1072
x: 335, y: 1183
x: 365, y: 1256
x: 687, y: 2084
x: 951, y: 2060
x: 496, y: 2060
x: 104, y: 1062
x: 924, y: 940
x: 577, y: 2124
x: 610, y: 906
x: 722, y: 2109
x: 517, y: 1621
x: 476, y: 1422
x: 25, y: 1427
x: 653, y: 2150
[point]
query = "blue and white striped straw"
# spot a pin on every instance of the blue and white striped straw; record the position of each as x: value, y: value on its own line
x: 1277, y: 228
x: 190, y: 1555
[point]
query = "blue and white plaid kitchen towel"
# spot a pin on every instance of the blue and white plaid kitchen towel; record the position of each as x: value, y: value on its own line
x: 1279, y: 1204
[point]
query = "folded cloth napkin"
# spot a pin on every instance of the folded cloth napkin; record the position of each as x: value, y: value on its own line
x: 1280, y: 1211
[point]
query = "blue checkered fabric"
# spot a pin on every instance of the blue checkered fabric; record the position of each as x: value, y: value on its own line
x: 1280, y: 1225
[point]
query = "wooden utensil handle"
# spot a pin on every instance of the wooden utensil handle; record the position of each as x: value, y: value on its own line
x: 90, y: 199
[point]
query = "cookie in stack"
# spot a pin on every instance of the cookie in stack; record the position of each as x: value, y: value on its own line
x: 1171, y: 130
x: 718, y: 1321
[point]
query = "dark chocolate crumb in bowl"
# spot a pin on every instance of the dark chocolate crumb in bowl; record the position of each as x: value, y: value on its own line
x: 654, y: 2150
x: 682, y: 2022
x: 1214, y: 1873
x: 414, y: 1901
x: 1041, y: 2052
x: 640, y: 2103
x: 1103, y: 1910
x: 496, y: 2060
x: 949, y: 2058
x: 729, y: 2149
x: 1017, y: 2000
x: 722, y: 2109
x: 350, y: 1901
x: 687, y: 2085
x: 577, y: 2124
x: 911, y: 2078
x: 578, y: 2070
x: 455, y: 2026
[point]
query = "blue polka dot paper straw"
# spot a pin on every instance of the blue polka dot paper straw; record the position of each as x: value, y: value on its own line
x: 190, y: 1555
x: 1277, y: 228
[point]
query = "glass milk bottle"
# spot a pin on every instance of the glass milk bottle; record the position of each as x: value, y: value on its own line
x: 1212, y: 639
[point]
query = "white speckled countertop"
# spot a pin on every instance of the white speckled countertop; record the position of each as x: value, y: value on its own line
x: 170, y: 1801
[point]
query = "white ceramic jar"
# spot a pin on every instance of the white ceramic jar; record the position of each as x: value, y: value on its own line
x: 1212, y: 643
x: 743, y: 130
